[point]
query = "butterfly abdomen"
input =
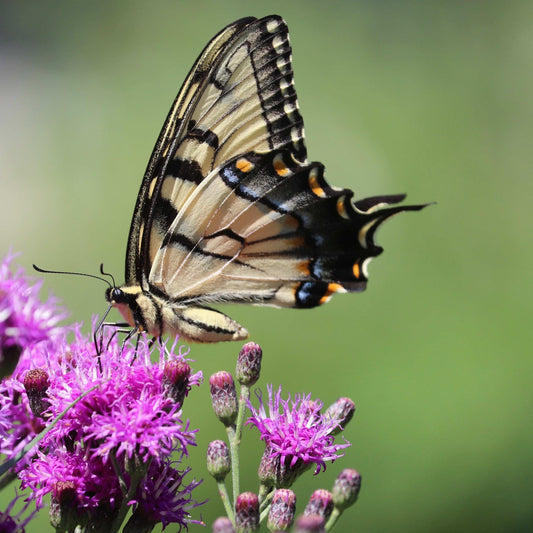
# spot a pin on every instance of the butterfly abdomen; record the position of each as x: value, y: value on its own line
x: 145, y: 311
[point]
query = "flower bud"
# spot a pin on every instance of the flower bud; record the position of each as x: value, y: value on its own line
x: 346, y: 488
x: 282, y: 509
x: 36, y: 383
x: 279, y: 472
x: 249, y: 364
x: 320, y: 503
x: 218, y: 459
x: 64, y: 513
x: 223, y: 525
x: 247, y: 513
x: 176, y: 376
x: 342, y: 411
x: 312, y: 523
x: 224, y: 397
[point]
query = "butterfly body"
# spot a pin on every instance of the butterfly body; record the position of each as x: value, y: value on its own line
x: 230, y: 210
x: 158, y: 316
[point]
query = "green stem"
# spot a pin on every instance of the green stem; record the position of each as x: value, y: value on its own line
x: 245, y: 395
x: 136, y: 473
x: 332, y: 520
x: 265, y: 495
x: 265, y: 499
x: 264, y: 514
x: 234, y: 452
x: 224, y: 496
x: 234, y: 437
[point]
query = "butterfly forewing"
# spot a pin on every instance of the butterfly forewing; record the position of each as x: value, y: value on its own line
x: 238, y: 97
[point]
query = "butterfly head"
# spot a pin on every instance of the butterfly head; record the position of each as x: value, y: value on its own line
x: 124, y: 299
x: 115, y: 296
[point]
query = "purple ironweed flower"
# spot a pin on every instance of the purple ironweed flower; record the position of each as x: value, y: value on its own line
x: 24, y: 319
x: 123, y: 430
x: 295, y: 432
x: 14, y: 523
x: 164, y: 497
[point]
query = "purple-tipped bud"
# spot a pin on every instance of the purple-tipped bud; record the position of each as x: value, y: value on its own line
x: 36, y: 383
x: 64, y: 513
x: 223, y: 525
x: 320, y: 503
x: 249, y: 364
x: 312, y: 523
x: 342, y: 411
x: 247, y: 513
x: 346, y: 488
x: 282, y: 509
x: 224, y: 397
x: 176, y: 376
x: 218, y: 459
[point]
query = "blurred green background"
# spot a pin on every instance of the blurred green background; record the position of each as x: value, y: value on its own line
x: 429, y: 98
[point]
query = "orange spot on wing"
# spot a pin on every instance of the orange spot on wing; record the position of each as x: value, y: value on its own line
x: 356, y: 270
x: 280, y: 167
x: 303, y: 267
x: 244, y: 165
x: 332, y: 288
x: 315, y: 186
x: 341, y: 207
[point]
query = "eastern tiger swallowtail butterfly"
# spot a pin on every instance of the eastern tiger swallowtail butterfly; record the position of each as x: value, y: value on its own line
x: 230, y: 210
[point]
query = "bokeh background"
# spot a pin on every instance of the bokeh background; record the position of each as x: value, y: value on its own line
x: 429, y: 98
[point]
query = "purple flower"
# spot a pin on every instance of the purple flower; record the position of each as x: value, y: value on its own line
x: 295, y: 432
x: 164, y: 497
x: 24, y: 319
x: 14, y: 523
x: 124, y: 428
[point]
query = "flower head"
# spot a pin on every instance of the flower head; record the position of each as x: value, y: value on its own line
x: 24, y: 318
x: 163, y: 496
x: 295, y: 432
x: 115, y: 423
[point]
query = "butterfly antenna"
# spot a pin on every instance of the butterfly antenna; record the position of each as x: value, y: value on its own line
x: 43, y: 271
x: 107, y: 274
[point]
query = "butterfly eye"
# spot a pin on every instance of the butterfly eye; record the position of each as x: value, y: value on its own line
x: 117, y: 295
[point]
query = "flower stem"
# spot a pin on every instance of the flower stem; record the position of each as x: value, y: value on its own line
x: 234, y: 452
x: 224, y: 496
x: 245, y: 396
x: 136, y: 473
x: 335, y: 515
x: 234, y: 437
x: 265, y: 495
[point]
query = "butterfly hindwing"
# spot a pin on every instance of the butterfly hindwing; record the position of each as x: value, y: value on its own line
x: 268, y: 229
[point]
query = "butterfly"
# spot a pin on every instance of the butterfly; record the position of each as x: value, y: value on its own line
x: 230, y: 210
